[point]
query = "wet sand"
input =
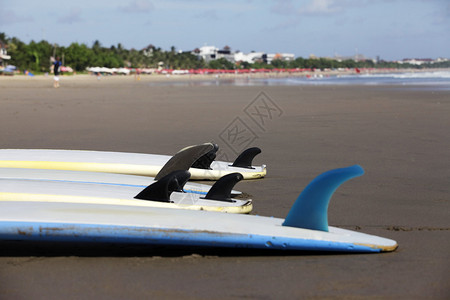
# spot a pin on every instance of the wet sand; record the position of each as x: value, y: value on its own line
x: 399, y: 135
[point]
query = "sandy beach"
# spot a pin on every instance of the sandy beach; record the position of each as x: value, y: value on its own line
x: 399, y: 135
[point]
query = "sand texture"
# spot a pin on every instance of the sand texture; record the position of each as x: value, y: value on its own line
x: 399, y: 135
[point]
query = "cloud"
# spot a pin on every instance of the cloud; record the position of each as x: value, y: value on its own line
x: 288, y: 23
x: 138, y: 6
x: 283, y: 7
x: 442, y: 16
x: 320, y: 7
x: 209, y: 14
x: 312, y: 7
x: 73, y: 16
x: 8, y: 17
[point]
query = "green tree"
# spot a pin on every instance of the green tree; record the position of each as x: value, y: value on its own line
x: 35, y: 57
x: 278, y: 63
x: 221, y: 63
x: 78, y: 57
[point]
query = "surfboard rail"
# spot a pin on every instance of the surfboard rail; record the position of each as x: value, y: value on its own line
x: 95, y: 222
x: 112, y: 179
x: 153, y: 165
x: 166, y: 192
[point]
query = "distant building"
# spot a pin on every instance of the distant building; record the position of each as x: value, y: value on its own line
x: 440, y: 59
x: 226, y: 53
x: 356, y: 58
x: 416, y: 61
x: 280, y: 56
x: 148, y: 51
x: 251, y: 57
x: 208, y: 53
x: 3, y: 53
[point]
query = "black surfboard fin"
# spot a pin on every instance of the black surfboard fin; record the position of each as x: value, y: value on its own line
x: 245, y: 159
x: 184, y: 159
x: 221, y: 190
x: 205, y: 161
x: 162, y: 189
x: 178, y: 180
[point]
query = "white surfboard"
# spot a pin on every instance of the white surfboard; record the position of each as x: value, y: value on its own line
x: 158, y: 194
x: 304, y: 228
x: 132, y: 163
x: 96, y: 178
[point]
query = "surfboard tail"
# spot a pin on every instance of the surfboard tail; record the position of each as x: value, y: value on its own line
x: 310, y: 210
x: 244, y: 160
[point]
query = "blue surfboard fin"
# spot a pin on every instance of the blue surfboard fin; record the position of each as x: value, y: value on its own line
x: 310, y: 210
x: 221, y: 190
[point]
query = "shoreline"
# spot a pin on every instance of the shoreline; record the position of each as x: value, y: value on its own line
x: 214, y: 77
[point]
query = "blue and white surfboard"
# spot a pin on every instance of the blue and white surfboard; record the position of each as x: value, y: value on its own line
x: 25, y: 185
x: 99, y: 178
x: 304, y: 228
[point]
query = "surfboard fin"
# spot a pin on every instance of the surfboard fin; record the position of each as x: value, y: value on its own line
x: 310, y: 209
x: 245, y: 159
x: 163, y: 188
x: 177, y: 180
x: 184, y: 159
x: 205, y: 161
x: 221, y: 190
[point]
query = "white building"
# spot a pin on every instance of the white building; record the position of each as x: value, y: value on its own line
x: 280, y: 56
x: 416, y: 61
x: 440, y: 59
x: 3, y: 54
x: 356, y: 58
x: 207, y: 53
x: 250, y: 58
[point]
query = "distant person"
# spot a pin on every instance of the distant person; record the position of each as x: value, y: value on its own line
x: 56, y: 70
x: 137, y: 75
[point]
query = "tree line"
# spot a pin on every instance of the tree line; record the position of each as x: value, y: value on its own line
x: 35, y: 57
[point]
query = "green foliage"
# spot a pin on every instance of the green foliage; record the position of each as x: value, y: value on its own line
x: 221, y: 63
x: 279, y: 64
x: 77, y: 56
x: 245, y: 65
x: 442, y: 64
x: 36, y: 57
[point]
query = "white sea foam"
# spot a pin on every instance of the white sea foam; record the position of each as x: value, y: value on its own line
x: 430, y: 75
x: 434, y: 79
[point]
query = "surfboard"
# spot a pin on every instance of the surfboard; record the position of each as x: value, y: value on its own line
x: 304, y: 228
x: 96, y: 178
x: 202, y: 167
x: 166, y: 192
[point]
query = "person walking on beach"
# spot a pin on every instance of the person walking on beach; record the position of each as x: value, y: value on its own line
x: 56, y: 71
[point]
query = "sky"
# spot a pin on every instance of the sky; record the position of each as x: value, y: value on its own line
x: 389, y: 29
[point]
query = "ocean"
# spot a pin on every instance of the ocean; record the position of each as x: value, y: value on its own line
x: 435, y: 80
